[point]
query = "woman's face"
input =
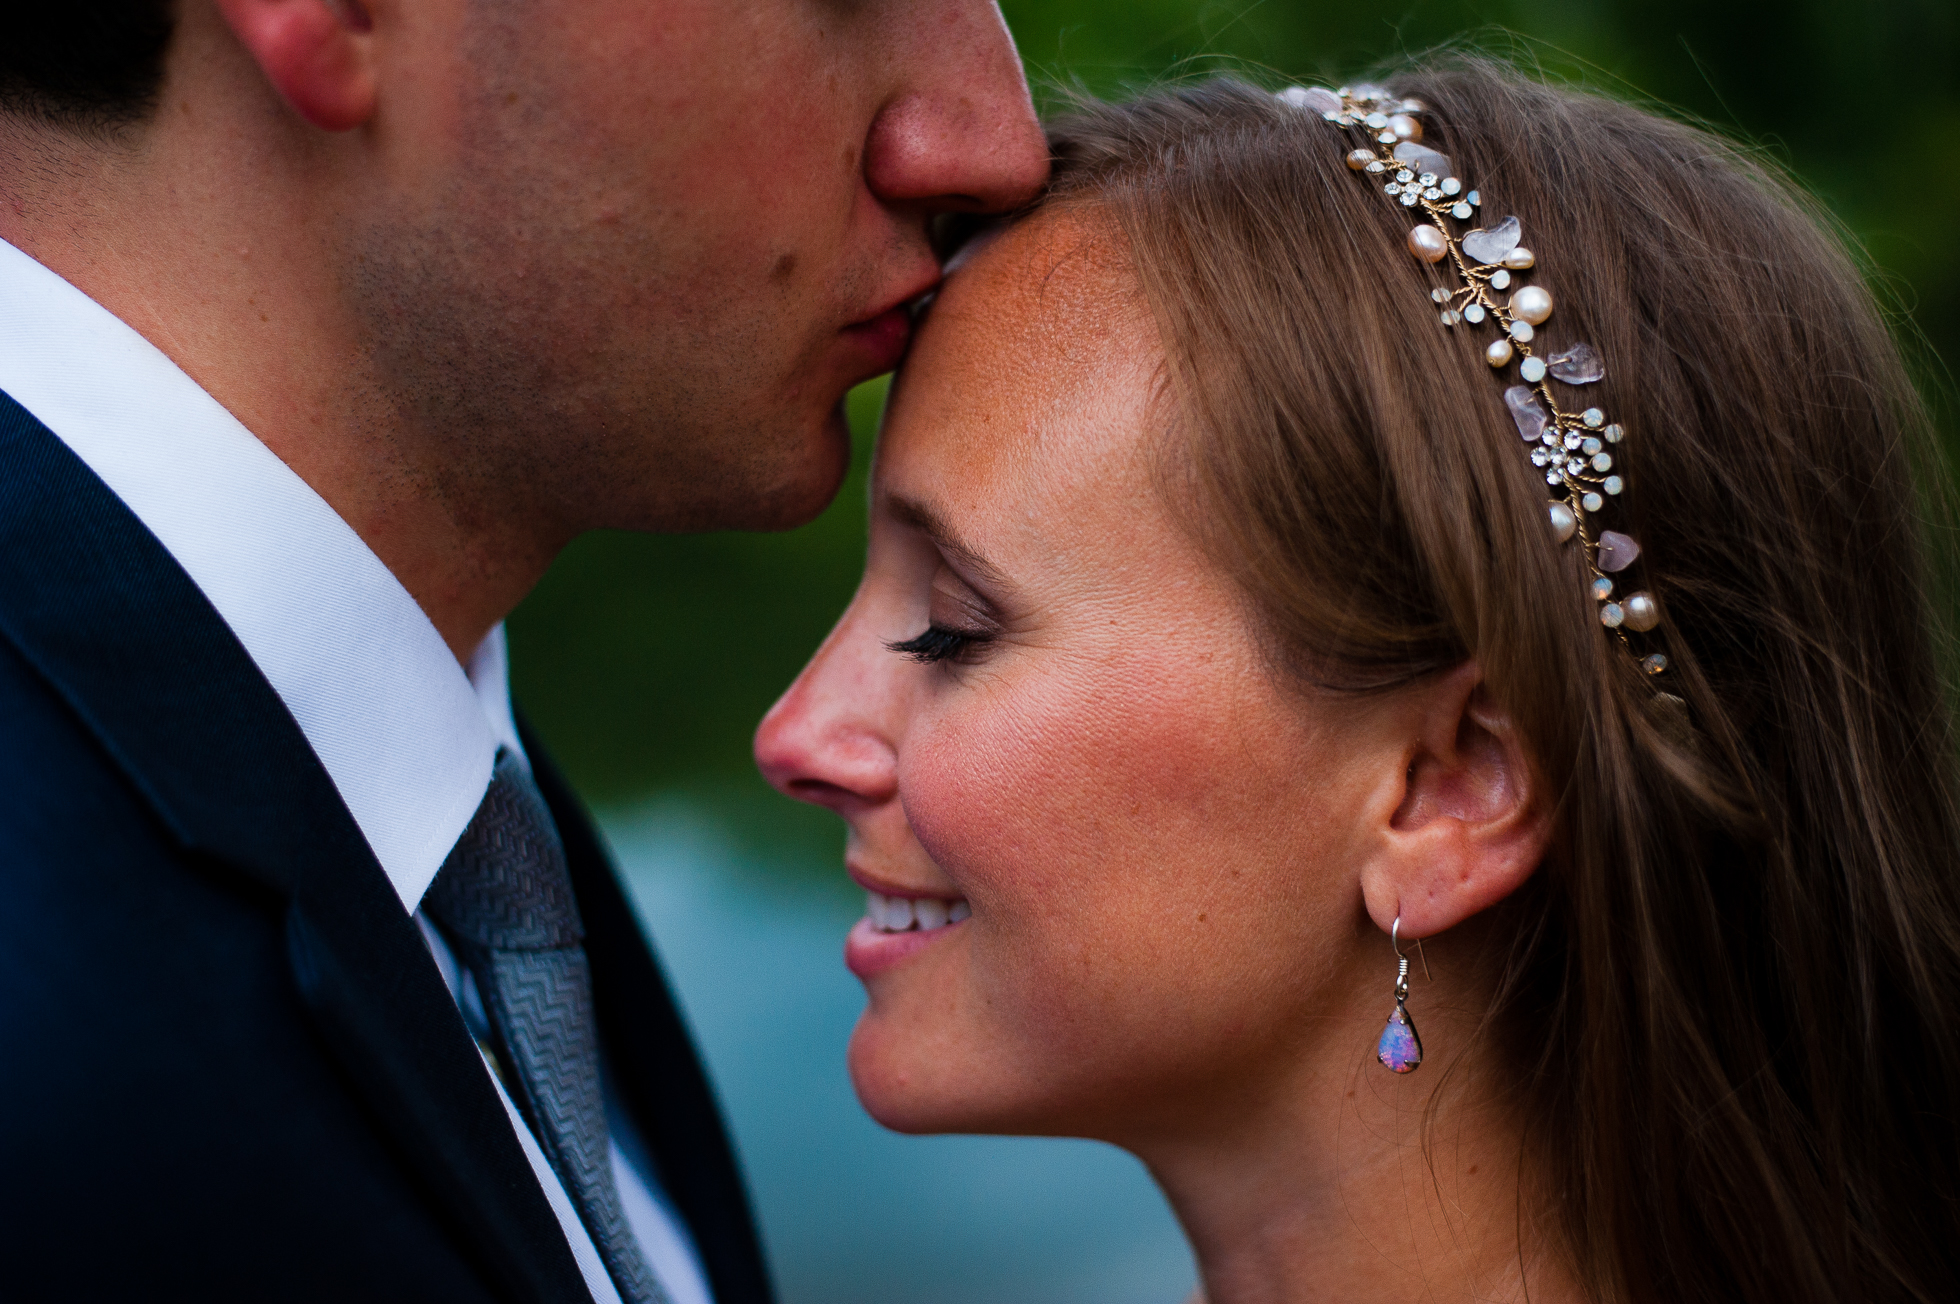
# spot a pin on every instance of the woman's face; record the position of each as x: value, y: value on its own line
x: 1109, y: 855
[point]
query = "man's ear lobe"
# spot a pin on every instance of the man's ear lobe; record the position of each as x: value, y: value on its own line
x: 316, y: 53
x: 1470, y: 826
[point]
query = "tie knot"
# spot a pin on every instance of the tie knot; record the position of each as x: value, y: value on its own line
x: 505, y: 885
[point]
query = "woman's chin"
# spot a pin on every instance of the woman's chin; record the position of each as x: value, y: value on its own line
x: 907, y: 1083
x: 897, y: 1088
x: 901, y: 1113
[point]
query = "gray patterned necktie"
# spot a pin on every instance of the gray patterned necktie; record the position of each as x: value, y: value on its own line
x: 504, y: 897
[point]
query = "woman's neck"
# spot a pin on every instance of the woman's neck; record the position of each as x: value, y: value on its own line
x: 1345, y: 1182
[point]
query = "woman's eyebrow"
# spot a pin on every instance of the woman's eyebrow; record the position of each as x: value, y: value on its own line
x: 912, y: 512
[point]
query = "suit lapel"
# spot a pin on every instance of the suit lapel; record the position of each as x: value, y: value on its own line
x: 98, y: 606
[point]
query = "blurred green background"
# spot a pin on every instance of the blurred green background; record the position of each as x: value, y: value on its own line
x: 646, y: 662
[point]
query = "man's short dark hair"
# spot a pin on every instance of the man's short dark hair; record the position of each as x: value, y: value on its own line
x: 84, y: 63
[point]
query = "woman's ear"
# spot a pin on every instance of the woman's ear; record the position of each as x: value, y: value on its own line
x: 318, y: 54
x: 1466, y: 825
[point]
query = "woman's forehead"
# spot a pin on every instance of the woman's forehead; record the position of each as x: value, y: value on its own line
x: 1037, y: 345
x: 1064, y: 265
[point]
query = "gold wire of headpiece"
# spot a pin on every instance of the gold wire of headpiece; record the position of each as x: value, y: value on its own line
x: 1571, y: 448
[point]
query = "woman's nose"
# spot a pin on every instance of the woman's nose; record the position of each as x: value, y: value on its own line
x: 822, y: 742
x: 961, y: 132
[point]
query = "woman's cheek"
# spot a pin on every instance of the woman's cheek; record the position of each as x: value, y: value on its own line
x: 1070, y: 758
x: 1078, y: 818
x: 1013, y: 774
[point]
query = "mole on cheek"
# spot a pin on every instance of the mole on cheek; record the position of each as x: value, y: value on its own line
x: 784, y: 269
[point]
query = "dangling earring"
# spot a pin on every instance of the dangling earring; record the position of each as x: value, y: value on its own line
x: 1400, y: 1049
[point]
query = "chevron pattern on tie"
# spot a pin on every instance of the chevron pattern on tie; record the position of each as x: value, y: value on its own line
x: 504, y: 897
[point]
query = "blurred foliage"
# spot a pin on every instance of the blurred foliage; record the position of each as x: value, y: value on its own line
x: 646, y: 661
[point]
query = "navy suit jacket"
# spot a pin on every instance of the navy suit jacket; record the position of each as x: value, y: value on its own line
x: 229, y: 1069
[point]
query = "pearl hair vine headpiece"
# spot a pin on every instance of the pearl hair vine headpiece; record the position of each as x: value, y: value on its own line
x: 1575, y: 450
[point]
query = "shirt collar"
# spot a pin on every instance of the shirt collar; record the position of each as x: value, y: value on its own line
x: 407, y: 735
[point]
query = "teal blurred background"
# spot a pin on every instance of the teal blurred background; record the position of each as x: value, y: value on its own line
x: 645, y: 662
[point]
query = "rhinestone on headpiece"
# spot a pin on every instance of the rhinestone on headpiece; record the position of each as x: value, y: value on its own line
x: 1570, y: 448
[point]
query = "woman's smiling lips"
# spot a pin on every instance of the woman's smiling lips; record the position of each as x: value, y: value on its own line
x: 898, y: 923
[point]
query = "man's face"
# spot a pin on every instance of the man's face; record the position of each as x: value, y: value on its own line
x: 623, y: 258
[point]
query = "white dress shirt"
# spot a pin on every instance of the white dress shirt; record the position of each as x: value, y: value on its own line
x: 407, y: 735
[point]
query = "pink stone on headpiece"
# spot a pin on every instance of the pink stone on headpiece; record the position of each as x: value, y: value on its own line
x: 1317, y: 98
x: 1527, y: 411
x: 1578, y: 365
x: 1616, y: 551
x: 1490, y: 246
x: 1423, y: 159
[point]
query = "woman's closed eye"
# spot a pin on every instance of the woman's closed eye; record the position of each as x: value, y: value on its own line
x: 960, y: 623
x: 942, y: 643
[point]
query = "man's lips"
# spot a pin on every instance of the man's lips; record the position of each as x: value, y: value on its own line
x: 882, y: 339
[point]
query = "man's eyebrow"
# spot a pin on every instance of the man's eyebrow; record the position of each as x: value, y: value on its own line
x: 912, y: 512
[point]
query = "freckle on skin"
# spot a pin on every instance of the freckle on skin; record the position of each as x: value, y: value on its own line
x: 784, y: 269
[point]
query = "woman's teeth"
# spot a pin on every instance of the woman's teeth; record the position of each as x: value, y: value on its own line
x: 903, y: 914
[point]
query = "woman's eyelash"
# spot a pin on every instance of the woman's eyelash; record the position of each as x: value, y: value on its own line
x: 939, y: 643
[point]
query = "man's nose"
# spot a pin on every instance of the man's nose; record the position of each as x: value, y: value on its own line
x: 960, y: 132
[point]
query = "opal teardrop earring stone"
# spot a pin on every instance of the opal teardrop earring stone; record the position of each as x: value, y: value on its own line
x: 1400, y: 1049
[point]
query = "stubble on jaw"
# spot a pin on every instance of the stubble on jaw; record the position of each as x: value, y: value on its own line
x: 536, y: 355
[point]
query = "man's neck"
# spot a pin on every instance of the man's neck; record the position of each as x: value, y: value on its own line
x: 228, y: 266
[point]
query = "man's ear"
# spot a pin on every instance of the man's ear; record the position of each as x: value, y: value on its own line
x: 318, y: 54
x: 1466, y: 825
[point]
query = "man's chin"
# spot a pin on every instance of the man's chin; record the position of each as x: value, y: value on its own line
x: 767, y: 478
x: 784, y: 483
x: 809, y: 481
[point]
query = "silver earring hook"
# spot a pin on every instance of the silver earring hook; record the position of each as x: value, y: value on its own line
x: 1394, y: 940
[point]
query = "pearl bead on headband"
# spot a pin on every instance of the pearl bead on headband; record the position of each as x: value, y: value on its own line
x: 1572, y: 449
